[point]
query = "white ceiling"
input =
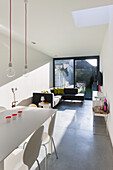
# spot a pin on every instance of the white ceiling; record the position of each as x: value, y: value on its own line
x: 51, y: 26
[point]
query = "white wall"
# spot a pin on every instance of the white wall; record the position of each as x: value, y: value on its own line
x: 35, y: 58
x: 38, y: 80
x: 107, y: 68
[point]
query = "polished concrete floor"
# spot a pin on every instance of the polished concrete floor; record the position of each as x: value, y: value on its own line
x: 81, y: 145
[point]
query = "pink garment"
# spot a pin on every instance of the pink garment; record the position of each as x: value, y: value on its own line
x: 105, y: 105
x: 105, y: 108
x: 99, y: 88
x: 105, y: 100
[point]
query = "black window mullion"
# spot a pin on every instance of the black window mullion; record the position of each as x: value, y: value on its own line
x: 74, y: 73
x: 53, y: 73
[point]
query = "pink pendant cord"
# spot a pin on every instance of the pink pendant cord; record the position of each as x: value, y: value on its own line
x: 25, y: 34
x: 10, y: 31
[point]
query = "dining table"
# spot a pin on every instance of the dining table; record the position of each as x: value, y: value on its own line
x: 17, y: 124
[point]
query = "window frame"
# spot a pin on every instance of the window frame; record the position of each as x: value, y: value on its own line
x: 75, y: 58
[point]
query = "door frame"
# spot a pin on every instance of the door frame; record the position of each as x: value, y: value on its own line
x: 75, y: 58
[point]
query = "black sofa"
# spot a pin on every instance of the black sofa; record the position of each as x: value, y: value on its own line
x: 54, y: 99
x: 70, y: 94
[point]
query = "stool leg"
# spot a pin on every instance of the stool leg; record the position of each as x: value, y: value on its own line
x: 45, y: 156
x: 38, y: 164
x: 54, y: 148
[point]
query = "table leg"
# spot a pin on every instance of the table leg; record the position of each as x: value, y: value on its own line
x: 2, y: 165
x: 106, y: 119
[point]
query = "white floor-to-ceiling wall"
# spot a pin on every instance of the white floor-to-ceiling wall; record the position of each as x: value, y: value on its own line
x: 107, y: 69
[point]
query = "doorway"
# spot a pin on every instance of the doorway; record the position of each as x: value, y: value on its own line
x: 86, y: 76
x: 80, y: 72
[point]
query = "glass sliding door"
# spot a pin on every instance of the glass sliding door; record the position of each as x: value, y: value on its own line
x: 64, y: 74
x: 78, y: 72
x: 86, y: 76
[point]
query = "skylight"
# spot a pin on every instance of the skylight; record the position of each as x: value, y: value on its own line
x: 92, y: 16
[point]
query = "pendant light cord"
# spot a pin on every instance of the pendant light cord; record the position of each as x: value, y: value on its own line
x: 25, y: 33
x: 10, y: 31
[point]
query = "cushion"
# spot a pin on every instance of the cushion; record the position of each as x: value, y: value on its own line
x: 55, y: 90
x: 60, y: 90
x: 79, y: 90
x: 37, y: 98
x: 44, y: 91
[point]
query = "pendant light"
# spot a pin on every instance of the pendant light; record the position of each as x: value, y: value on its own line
x: 26, y: 65
x: 10, y: 70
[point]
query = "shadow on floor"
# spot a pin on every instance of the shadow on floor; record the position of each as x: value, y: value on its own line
x: 78, y: 148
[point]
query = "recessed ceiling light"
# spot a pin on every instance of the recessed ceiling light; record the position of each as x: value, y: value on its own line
x: 56, y: 55
x: 33, y: 42
x: 92, y: 16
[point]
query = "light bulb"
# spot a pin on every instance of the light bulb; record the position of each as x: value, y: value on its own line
x: 26, y: 71
x: 10, y: 71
